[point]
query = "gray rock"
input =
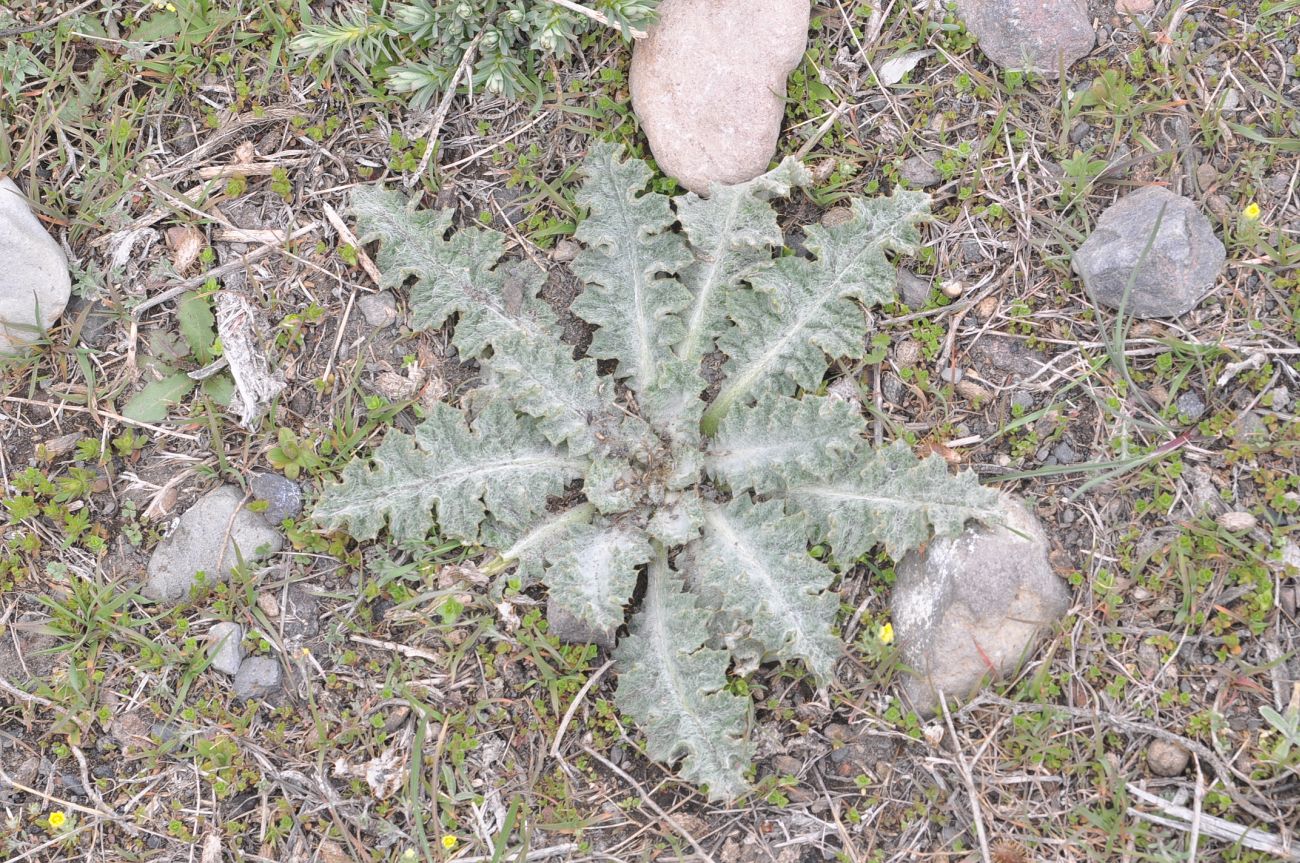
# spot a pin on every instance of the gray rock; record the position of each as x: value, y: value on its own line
x: 210, y: 537
x: 1042, y: 36
x: 34, y: 281
x: 1166, y: 758
x: 283, y: 496
x: 571, y: 630
x: 1179, y: 270
x: 973, y: 600
x: 258, y: 677
x: 1190, y: 405
x: 1022, y: 399
x: 708, y: 85
x: 379, y: 310
x: 1065, y: 453
x: 920, y: 171
x: 914, y: 289
x: 226, y: 640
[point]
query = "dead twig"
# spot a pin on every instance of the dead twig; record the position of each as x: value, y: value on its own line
x: 1182, y: 818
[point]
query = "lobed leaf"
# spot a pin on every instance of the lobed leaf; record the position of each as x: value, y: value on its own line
x: 780, y: 441
x: 456, y: 275
x: 499, y: 464
x: 629, y: 246
x: 732, y: 234
x: 893, y: 498
x: 804, y: 311
x: 753, y: 561
x: 675, y: 688
x: 595, y: 575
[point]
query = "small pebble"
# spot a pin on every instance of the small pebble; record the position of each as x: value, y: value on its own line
x: 952, y: 289
x: 283, y: 497
x: 950, y: 375
x: 565, y: 251
x: 1166, y: 758
x: 1190, y: 405
x: 258, y: 676
x: 1079, y: 131
x: 1065, y: 453
x: 1238, y: 521
x: 907, y: 353
x: 914, y: 290
x: 227, y: 649
x: 836, y: 216
x: 1281, y: 398
x: 1206, y: 175
x: 786, y: 765
x: 920, y: 171
x: 379, y: 310
x: 1022, y: 399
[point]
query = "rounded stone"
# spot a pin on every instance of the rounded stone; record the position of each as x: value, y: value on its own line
x: 1170, y: 277
x: 258, y: 677
x: 1042, y: 36
x: 1166, y: 758
x: 34, y: 282
x: 974, y: 605
x: 708, y: 85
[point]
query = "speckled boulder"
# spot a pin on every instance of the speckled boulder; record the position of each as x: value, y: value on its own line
x: 708, y: 85
x: 1042, y: 36
x: 34, y: 281
x: 971, y: 607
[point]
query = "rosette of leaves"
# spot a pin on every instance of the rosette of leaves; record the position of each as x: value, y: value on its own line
x: 710, y: 495
x: 415, y: 47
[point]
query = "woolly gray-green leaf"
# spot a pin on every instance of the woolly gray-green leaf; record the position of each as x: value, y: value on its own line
x: 893, y: 498
x: 753, y: 560
x: 595, y: 575
x: 732, y: 234
x: 545, y: 539
x: 571, y: 402
x: 779, y: 441
x: 500, y: 465
x: 674, y: 687
x: 629, y: 246
x: 804, y: 311
x: 453, y: 275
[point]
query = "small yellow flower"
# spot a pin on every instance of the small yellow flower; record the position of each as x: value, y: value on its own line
x: 1251, y: 213
x: 57, y: 819
x: 887, y: 633
x: 408, y: 854
x: 449, y: 842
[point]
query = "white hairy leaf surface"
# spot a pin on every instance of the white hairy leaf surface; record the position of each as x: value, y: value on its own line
x: 595, y: 575
x: 805, y: 311
x: 629, y: 247
x: 732, y: 234
x: 780, y: 441
x: 456, y: 275
x: 753, y: 561
x: 674, y: 687
x: 501, y: 464
x: 895, y: 499
x: 573, y: 405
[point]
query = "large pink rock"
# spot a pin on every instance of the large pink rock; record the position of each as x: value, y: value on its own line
x: 1042, y: 36
x: 708, y: 85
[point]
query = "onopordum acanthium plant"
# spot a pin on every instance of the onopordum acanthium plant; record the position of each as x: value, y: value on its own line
x: 712, y: 493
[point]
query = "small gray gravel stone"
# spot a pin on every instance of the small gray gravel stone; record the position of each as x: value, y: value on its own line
x: 1042, y: 36
x: 210, y: 538
x: 227, y: 648
x: 258, y: 677
x: 1178, y: 271
x: 920, y: 171
x: 379, y: 310
x: 978, y: 599
x: 1190, y: 405
x: 950, y: 375
x: 1022, y: 399
x: 914, y: 289
x: 283, y: 496
x: 34, y: 281
x: 1166, y: 758
x: 1065, y: 453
